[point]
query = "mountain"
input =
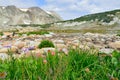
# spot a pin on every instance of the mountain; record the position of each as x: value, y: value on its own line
x: 11, y: 15
x: 104, y: 20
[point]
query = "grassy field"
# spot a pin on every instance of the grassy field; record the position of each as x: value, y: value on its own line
x: 77, y: 65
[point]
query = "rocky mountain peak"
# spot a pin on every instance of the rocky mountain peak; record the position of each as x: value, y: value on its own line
x: 11, y: 15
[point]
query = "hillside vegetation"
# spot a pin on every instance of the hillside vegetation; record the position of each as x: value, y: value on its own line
x: 103, y: 16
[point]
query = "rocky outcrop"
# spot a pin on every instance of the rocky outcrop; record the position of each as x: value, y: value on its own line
x: 11, y: 15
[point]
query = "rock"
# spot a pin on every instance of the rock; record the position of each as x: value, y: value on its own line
x: 88, y: 34
x: 37, y: 51
x: 90, y: 44
x: 75, y: 41
x: 88, y: 39
x: 46, y: 50
x: 12, y: 49
x: 4, y: 56
x: 98, y: 46
x: 75, y: 44
x: 36, y: 44
x: 4, y: 37
x: 60, y: 46
x: 48, y: 35
x: 59, y: 41
x: 31, y: 43
x: 1, y: 46
x: 106, y: 50
x: 7, y: 33
x: 65, y: 50
x: 115, y: 45
x: 16, y: 56
x: 3, y: 50
x: 24, y: 35
x: 19, y: 44
x: 51, y: 33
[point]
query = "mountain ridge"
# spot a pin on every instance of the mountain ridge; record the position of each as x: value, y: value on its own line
x: 108, y: 19
x: 11, y: 15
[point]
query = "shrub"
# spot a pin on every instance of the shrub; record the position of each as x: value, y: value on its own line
x: 46, y: 43
x: 38, y: 32
x: 1, y: 33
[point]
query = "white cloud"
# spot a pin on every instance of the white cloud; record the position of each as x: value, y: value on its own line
x: 18, y: 3
x: 81, y: 7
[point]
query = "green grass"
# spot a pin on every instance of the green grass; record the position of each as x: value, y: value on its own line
x: 35, y: 25
x: 35, y: 32
x: 63, y: 67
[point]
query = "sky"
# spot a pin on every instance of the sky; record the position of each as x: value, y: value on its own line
x: 67, y: 9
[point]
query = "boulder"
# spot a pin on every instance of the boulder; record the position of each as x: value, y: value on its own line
x: 60, y: 46
x: 106, y: 50
x: 19, y: 44
x: 12, y: 49
x: 3, y: 50
x: 115, y: 45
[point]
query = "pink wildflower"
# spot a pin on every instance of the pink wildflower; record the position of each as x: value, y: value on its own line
x: 45, y: 61
x: 53, y: 53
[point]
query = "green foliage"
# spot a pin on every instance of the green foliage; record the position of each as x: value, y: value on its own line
x: 1, y: 33
x: 36, y: 25
x: 46, y: 43
x: 35, y: 32
x: 77, y: 65
x: 38, y: 32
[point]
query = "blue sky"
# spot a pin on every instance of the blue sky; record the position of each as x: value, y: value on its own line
x: 67, y: 9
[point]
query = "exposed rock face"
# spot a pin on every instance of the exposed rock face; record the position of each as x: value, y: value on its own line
x: 12, y: 15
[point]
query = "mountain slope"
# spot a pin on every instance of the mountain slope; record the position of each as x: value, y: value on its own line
x: 11, y: 15
x: 92, y: 21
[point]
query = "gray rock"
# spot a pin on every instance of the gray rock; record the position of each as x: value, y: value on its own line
x: 115, y: 45
x: 106, y: 50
